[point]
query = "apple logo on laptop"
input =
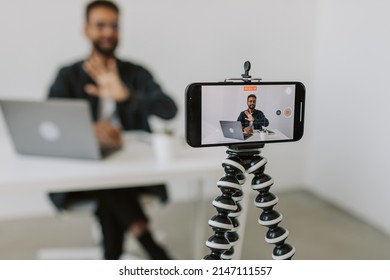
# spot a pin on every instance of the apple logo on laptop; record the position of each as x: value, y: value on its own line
x: 49, y: 131
x: 231, y: 130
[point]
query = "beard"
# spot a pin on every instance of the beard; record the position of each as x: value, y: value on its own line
x: 252, y: 107
x: 106, y: 51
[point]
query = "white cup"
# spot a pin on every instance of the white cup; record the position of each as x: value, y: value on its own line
x: 163, y: 147
x: 263, y: 135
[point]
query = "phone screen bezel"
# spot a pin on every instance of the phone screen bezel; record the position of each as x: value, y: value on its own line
x: 193, y: 111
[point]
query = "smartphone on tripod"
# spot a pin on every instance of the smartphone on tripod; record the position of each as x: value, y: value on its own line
x: 227, y: 113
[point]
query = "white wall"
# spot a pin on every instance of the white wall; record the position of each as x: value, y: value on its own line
x: 179, y: 41
x: 338, y: 49
x: 348, y: 142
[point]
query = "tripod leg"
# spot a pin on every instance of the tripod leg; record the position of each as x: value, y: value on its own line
x: 220, y: 224
x: 224, y: 204
x: 232, y: 236
x: 269, y: 217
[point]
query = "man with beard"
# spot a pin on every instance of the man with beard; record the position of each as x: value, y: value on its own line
x: 251, y: 118
x: 121, y: 95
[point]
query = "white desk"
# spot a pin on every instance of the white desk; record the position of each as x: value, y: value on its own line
x: 218, y: 137
x: 134, y: 165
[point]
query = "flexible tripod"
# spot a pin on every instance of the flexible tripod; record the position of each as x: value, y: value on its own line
x: 241, y: 159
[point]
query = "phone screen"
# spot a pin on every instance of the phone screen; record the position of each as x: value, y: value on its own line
x: 244, y: 113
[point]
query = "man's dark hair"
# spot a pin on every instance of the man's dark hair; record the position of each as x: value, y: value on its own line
x: 100, y: 3
x: 251, y: 95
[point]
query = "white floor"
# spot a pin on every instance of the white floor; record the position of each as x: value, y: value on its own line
x: 317, y: 230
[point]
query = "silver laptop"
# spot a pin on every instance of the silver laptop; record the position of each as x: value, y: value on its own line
x: 56, y: 127
x: 233, y: 129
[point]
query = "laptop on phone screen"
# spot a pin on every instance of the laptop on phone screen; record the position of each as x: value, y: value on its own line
x: 55, y: 128
x: 233, y: 129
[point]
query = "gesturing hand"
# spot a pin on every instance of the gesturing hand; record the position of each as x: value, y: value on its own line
x: 248, y: 130
x: 108, y: 82
x: 108, y: 135
x: 249, y: 116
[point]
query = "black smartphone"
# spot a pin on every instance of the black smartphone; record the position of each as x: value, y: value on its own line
x: 227, y: 113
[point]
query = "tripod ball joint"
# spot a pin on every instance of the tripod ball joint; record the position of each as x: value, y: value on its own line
x: 233, y: 165
x: 257, y: 165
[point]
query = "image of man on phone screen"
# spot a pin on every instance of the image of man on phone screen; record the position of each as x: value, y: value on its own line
x: 251, y: 118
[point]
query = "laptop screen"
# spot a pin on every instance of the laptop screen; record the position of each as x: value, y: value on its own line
x: 57, y: 127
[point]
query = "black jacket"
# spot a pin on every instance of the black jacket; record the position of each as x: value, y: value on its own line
x: 148, y: 99
x: 259, y: 122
